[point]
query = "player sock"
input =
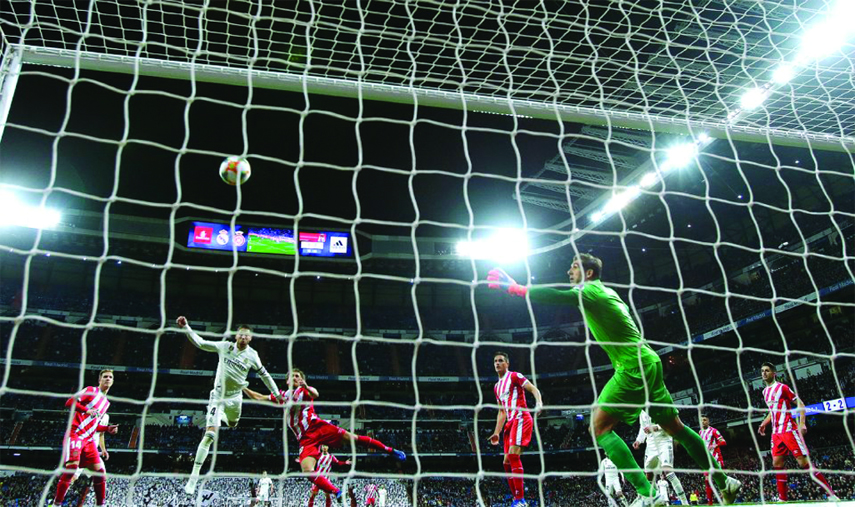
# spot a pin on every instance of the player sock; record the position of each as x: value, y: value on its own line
x: 508, y: 470
x: 62, y: 487
x: 678, y: 487
x: 697, y: 449
x: 617, y: 451
x: 100, y: 487
x: 312, y: 501
x: 518, y: 487
x: 325, y: 485
x: 781, y: 482
x: 202, y: 451
x: 821, y: 478
x: 329, y: 501
x: 374, y: 444
x: 710, y: 496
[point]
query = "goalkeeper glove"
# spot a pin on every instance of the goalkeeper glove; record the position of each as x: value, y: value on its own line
x: 502, y: 281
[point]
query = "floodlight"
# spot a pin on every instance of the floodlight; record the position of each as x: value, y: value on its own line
x: 753, y: 98
x: 824, y: 39
x: 15, y: 213
x: 703, y: 138
x: 620, y: 201
x: 649, y: 179
x: 597, y: 216
x: 681, y: 155
x: 783, y: 74
x: 505, y: 245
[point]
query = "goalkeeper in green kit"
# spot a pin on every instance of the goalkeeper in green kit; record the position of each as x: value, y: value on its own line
x: 637, y: 381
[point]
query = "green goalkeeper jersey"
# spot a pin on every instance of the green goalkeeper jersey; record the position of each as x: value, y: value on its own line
x: 607, y: 316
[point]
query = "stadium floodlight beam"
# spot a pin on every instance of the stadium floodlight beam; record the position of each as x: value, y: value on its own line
x: 17, y: 214
x: 753, y: 98
x: 783, y: 74
x: 681, y: 155
x: 505, y: 245
x: 649, y: 180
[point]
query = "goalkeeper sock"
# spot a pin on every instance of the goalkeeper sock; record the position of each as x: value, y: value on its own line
x: 373, y: 444
x: 202, y: 451
x: 697, y: 449
x: 678, y: 487
x: 617, y: 451
x: 517, y: 469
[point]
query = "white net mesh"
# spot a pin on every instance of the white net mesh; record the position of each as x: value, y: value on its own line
x: 702, y: 149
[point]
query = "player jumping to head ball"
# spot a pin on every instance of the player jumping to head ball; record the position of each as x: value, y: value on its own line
x: 225, y: 401
x: 637, y: 382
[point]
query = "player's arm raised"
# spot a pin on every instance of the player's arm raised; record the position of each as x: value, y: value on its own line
x: 257, y: 396
x: 499, y: 280
x: 313, y: 393
x: 195, y: 339
x: 538, y: 407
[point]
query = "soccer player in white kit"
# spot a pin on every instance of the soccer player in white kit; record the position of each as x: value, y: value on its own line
x: 659, y: 453
x: 612, y: 477
x: 236, y: 359
x: 263, y: 490
x: 662, y: 487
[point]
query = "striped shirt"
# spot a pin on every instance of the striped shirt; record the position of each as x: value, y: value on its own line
x: 714, y: 441
x: 84, y: 425
x: 510, y: 394
x: 302, y: 412
x: 325, y: 463
x: 371, y: 492
x: 780, y: 400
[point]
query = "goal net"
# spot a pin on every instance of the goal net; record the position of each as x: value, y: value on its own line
x: 400, y: 150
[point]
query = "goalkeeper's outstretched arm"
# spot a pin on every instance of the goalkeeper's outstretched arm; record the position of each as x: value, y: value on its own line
x: 195, y: 339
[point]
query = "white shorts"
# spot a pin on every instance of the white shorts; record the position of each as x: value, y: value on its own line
x: 223, y: 410
x: 263, y: 495
x: 613, y: 488
x: 659, y: 454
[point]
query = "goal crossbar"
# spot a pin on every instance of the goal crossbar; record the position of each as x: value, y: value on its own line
x: 353, y: 88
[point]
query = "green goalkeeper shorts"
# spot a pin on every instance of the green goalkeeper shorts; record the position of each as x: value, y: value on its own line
x: 626, y: 389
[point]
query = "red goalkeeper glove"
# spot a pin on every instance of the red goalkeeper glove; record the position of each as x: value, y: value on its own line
x: 499, y: 280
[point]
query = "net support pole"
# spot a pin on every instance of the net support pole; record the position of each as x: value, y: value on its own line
x: 10, y: 70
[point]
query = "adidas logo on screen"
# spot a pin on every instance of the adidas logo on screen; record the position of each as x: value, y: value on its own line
x: 338, y: 245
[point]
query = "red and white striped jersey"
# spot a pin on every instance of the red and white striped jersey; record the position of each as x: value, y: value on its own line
x: 371, y: 492
x: 325, y: 463
x: 714, y: 441
x: 511, y: 395
x: 96, y: 435
x: 780, y: 399
x: 84, y: 425
x: 302, y: 413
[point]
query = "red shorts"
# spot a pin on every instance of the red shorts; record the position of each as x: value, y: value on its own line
x: 319, y: 433
x: 371, y: 501
x: 789, y: 442
x: 518, y: 432
x: 82, y: 450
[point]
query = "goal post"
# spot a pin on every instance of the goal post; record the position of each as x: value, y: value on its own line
x: 423, y: 96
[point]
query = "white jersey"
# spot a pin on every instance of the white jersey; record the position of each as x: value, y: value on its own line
x: 653, y: 438
x: 662, y: 486
x: 233, y: 367
x: 381, y: 497
x: 264, y: 486
x: 609, y: 472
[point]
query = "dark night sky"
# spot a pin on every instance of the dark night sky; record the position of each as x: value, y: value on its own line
x: 146, y: 171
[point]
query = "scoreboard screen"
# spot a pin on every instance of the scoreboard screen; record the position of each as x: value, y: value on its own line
x: 268, y: 240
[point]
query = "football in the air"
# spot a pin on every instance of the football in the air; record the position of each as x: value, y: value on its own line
x: 235, y: 170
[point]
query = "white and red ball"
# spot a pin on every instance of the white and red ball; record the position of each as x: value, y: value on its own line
x: 235, y: 170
